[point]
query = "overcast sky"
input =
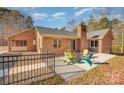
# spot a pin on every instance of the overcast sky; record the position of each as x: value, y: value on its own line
x: 55, y: 17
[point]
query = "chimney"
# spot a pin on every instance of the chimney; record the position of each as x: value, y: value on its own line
x: 82, y: 34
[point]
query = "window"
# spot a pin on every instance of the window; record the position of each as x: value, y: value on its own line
x: 25, y: 43
x: 94, y: 43
x: 19, y: 43
x: 57, y: 44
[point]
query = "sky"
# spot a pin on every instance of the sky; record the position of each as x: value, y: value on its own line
x: 58, y: 17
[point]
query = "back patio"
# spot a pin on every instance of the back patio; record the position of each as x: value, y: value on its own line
x: 70, y: 71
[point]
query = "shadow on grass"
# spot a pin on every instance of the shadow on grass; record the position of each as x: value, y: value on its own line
x: 101, y: 63
x: 56, y: 80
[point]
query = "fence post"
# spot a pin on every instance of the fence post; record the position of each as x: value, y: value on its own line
x: 54, y: 63
x: 8, y: 71
x: 47, y: 62
x: 3, y: 72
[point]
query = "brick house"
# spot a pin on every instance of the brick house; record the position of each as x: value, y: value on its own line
x: 38, y: 38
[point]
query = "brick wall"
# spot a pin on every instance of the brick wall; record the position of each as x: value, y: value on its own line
x: 47, y: 43
x: 27, y: 35
x: 107, y: 43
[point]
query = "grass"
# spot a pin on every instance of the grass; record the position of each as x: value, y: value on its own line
x: 56, y: 80
x: 104, y: 74
x: 108, y: 74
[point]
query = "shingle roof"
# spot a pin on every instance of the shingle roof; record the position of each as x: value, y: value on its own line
x: 55, y: 32
x: 97, y: 34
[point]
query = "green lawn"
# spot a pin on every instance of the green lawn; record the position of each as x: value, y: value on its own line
x: 111, y: 73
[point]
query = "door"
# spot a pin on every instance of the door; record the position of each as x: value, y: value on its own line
x: 73, y: 44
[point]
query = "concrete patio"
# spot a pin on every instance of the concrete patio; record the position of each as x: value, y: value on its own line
x: 69, y: 71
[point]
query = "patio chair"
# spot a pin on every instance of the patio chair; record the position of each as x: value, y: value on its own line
x: 85, y: 52
x: 69, y: 57
x: 87, y: 59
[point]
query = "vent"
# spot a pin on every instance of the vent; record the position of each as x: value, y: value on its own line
x: 96, y: 36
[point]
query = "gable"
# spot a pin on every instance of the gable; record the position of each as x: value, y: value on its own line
x: 109, y: 35
x: 21, y: 33
x: 97, y: 34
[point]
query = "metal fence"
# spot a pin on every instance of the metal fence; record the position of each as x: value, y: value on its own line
x: 57, y: 52
x: 24, y: 69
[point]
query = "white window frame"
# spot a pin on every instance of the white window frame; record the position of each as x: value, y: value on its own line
x: 57, y: 44
x: 20, y: 43
x: 93, y: 44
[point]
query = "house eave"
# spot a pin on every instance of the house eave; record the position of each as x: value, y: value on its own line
x: 59, y: 36
x: 95, y: 39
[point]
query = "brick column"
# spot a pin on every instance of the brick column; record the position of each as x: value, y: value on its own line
x: 100, y: 46
x: 9, y: 45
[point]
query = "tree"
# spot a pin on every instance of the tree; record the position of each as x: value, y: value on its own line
x: 92, y: 24
x: 115, y: 21
x: 12, y: 21
x: 2, y: 9
x: 71, y: 25
x: 29, y: 22
x: 104, y: 23
x: 121, y: 37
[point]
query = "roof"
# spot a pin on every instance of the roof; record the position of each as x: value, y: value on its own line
x: 99, y: 34
x: 17, y: 33
x: 44, y: 31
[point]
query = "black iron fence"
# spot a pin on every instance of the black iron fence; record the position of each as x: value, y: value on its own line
x: 56, y: 51
x: 24, y: 69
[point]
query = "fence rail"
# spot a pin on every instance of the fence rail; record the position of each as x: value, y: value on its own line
x: 57, y: 52
x: 24, y: 69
